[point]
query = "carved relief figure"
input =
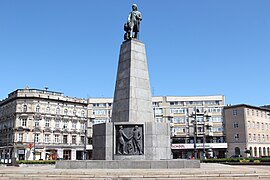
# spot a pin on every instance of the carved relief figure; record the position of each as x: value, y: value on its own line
x: 136, y: 139
x: 121, y: 144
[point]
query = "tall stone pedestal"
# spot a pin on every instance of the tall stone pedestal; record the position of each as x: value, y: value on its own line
x: 133, y: 140
x: 133, y: 133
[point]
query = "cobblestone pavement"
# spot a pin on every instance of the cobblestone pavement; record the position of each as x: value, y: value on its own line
x: 206, y: 172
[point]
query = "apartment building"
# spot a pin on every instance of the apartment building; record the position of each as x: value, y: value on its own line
x: 42, y: 124
x: 207, y: 130
x: 247, y: 128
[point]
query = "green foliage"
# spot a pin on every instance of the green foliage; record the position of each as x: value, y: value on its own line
x: 240, y: 160
x: 35, y: 162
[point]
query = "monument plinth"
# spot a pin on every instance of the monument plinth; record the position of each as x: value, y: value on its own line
x: 133, y: 133
x: 132, y: 95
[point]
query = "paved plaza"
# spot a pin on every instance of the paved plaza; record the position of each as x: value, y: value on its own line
x: 207, y: 171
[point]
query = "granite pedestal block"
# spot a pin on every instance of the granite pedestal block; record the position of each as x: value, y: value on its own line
x: 129, y: 164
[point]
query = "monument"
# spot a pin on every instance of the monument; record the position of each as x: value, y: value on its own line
x: 133, y: 133
x: 133, y: 139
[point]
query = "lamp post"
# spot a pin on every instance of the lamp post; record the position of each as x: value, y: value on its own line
x: 34, y: 151
x: 194, y: 115
x: 85, y: 138
x: 6, y: 150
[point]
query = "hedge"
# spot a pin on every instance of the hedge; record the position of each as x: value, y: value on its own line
x: 240, y: 160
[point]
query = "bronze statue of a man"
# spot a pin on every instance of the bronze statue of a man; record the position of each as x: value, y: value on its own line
x: 132, y: 27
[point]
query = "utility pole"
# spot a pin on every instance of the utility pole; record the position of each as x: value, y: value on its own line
x: 85, y: 135
x: 195, y: 133
x: 34, y: 151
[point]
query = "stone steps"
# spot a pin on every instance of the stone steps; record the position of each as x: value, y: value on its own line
x: 131, y: 175
x: 206, y: 172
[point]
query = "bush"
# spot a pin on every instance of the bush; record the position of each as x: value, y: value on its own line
x: 36, y: 162
x: 240, y: 160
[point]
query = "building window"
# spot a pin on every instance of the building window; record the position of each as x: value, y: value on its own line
x: 36, y: 137
x: 252, y: 112
x: 235, y: 125
x: 258, y: 125
x: 65, y: 111
x: 254, y: 137
x: 56, y: 138
x: 37, y: 108
x: 57, y: 124
x: 47, y: 138
x: 262, y: 126
x: 74, y: 112
x: 23, y: 123
x: 215, y: 119
x: 259, y: 137
x: 158, y: 111
x: 73, y: 139
x: 65, y: 139
x: 178, y: 120
x: 24, y: 108
x: 248, y: 112
x: 82, y: 139
x: 253, y: 124
x: 267, y: 138
x: 177, y: 111
x: 36, y: 123
x: 215, y: 110
x: 248, y: 124
x: 249, y: 137
x: 82, y: 113
x: 263, y: 139
x: 266, y: 126
x: 236, y: 137
x: 57, y: 110
x: 48, y: 109
x: 65, y: 126
x: 82, y: 125
x: 20, y: 137
x: 47, y: 123
x: 100, y: 112
x: 234, y: 112
x: 74, y: 125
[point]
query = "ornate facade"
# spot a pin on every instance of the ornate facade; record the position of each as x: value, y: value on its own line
x: 56, y: 122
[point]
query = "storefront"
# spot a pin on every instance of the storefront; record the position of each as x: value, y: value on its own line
x: 186, y: 151
x: 51, y: 154
x: 67, y: 154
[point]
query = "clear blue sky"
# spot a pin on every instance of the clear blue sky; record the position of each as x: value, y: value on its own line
x: 193, y: 47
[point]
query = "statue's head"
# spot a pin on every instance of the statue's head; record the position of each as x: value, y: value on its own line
x: 120, y: 127
x: 134, y: 7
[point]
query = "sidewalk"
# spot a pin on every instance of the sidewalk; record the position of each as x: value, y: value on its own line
x: 206, y: 172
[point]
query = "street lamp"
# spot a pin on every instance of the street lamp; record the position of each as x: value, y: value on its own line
x: 34, y: 151
x: 194, y: 115
x: 207, y: 126
x: 85, y: 138
x: 6, y: 150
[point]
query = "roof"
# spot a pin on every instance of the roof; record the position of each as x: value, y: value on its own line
x: 247, y: 106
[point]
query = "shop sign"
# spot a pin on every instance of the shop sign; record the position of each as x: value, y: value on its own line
x: 200, y: 146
